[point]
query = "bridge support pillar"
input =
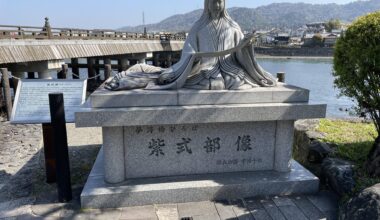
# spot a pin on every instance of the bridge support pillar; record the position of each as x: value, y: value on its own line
x: 107, y: 67
x: 43, y: 68
x: 107, y: 61
x: 97, y: 69
x: 169, y: 60
x: 156, y: 61
x: 75, y: 68
x: 90, y: 67
x: 123, y: 64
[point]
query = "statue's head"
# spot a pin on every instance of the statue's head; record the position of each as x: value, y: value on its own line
x: 215, y: 8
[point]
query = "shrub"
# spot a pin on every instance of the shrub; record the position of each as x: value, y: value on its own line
x: 357, y: 72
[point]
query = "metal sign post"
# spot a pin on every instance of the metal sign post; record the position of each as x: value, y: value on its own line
x: 61, y: 152
x: 32, y: 106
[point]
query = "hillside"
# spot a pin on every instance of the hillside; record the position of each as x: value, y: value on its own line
x: 281, y: 15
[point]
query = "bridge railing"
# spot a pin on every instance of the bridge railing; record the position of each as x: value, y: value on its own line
x: 41, y: 33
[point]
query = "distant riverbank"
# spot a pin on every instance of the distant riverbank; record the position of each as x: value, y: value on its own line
x: 261, y: 56
x: 295, y: 51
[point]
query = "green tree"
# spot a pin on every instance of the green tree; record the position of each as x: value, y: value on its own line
x: 357, y: 72
x: 333, y: 24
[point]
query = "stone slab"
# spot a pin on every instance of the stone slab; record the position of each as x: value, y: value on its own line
x: 283, y: 93
x: 257, y: 209
x: 272, y: 210
x: 292, y: 212
x: 103, y: 98
x: 289, y: 208
x: 196, y: 208
x: 167, y: 211
x: 325, y: 201
x: 200, y: 114
x: 308, y: 208
x: 279, y: 201
x: 192, y: 188
x: 139, y: 213
x: 225, y: 210
x: 154, y: 151
x: 241, y: 210
x: 207, y: 216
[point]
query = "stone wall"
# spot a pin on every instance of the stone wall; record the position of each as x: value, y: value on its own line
x: 288, y: 51
x: 318, y: 157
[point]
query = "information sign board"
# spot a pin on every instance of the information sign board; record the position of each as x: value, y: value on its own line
x: 32, y: 99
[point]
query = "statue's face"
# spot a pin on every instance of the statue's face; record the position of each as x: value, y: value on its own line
x: 216, y: 7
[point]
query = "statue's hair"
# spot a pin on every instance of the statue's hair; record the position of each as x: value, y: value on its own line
x: 206, y: 18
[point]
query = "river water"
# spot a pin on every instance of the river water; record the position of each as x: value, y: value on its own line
x: 314, y: 75
x: 310, y: 73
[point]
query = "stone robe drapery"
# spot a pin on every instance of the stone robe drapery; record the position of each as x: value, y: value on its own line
x: 215, y: 56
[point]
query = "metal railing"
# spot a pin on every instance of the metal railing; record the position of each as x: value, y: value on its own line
x: 41, y: 33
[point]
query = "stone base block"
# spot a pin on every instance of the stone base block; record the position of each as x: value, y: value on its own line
x: 282, y: 93
x: 192, y: 188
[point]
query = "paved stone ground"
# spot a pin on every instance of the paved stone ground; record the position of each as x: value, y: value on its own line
x: 25, y: 195
x: 320, y: 206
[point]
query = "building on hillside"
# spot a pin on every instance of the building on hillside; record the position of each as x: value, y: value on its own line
x: 317, y: 27
x: 282, y: 39
x: 180, y: 35
x: 308, y: 40
x: 337, y: 31
x: 263, y: 38
x: 295, y: 41
x: 330, y: 40
x: 300, y: 32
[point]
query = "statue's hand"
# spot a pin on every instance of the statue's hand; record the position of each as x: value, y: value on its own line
x: 166, y: 78
x: 248, y: 39
x: 112, y: 84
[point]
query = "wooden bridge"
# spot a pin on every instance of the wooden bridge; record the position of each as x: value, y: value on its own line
x: 19, y: 44
x: 27, y: 52
x: 47, y: 32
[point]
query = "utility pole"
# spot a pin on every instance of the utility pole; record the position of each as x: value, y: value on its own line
x: 143, y: 17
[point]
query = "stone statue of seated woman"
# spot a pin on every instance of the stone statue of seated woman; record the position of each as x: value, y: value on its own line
x: 215, y: 56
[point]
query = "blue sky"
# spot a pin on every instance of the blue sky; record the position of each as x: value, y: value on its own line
x: 112, y: 13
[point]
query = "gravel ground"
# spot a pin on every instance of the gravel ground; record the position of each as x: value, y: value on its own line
x: 22, y: 169
x: 20, y: 152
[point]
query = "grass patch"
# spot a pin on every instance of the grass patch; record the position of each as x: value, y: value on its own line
x: 353, y: 141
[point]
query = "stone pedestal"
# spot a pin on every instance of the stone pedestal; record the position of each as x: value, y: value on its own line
x: 189, y: 145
